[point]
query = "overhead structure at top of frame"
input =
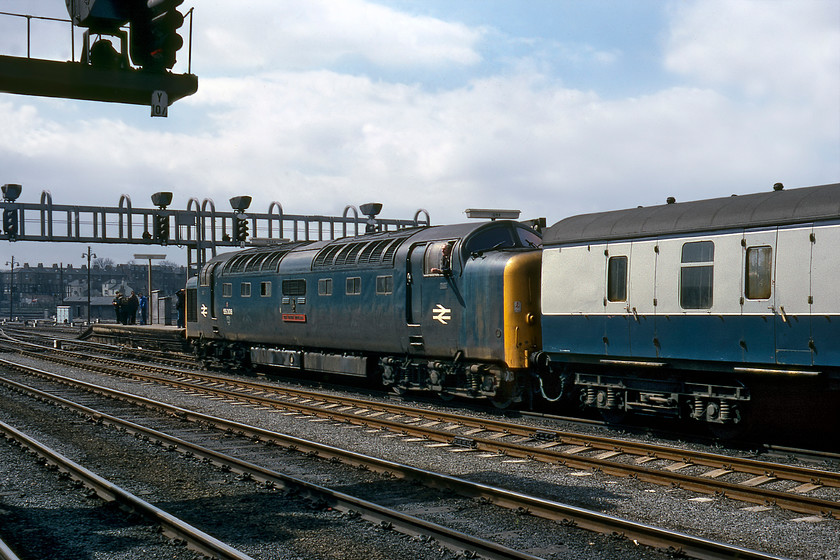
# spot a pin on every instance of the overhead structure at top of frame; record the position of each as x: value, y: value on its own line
x: 116, y: 65
x: 200, y: 227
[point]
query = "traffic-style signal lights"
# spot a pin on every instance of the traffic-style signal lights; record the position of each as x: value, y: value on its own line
x: 162, y: 228
x: 10, y: 222
x: 241, y: 229
x: 154, y: 34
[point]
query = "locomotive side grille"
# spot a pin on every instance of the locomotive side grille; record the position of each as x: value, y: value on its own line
x: 255, y: 262
x: 325, y: 257
x: 372, y: 252
x: 237, y: 263
x: 270, y: 264
x: 379, y: 252
x: 388, y: 257
x: 344, y: 256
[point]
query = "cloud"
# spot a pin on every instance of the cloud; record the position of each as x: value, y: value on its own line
x: 320, y: 33
x: 276, y: 117
x: 783, y: 49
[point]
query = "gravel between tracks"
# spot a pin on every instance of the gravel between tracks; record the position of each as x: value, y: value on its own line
x: 773, y: 531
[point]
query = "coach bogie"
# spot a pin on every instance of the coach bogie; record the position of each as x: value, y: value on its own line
x: 616, y: 395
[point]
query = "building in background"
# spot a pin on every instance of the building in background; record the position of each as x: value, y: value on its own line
x: 36, y: 291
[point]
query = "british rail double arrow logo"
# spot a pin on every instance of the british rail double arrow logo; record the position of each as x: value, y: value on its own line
x: 442, y: 314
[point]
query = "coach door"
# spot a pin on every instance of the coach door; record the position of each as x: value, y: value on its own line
x: 617, y: 313
x: 793, y: 294
x: 758, y: 297
x: 413, y: 286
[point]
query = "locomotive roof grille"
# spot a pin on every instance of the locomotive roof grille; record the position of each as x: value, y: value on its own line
x: 262, y: 261
x: 373, y: 252
x: 376, y: 252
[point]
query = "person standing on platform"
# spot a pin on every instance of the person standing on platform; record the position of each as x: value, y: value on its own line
x: 118, y: 307
x: 131, y: 309
x: 142, y: 304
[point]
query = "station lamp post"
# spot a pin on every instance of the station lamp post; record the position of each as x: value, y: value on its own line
x: 11, y: 289
x: 149, y: 283
x: 89, y: 255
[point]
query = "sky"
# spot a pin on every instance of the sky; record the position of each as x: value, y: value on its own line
x: 552, y: 107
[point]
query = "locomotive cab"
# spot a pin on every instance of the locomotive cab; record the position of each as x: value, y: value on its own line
x: 472, y: 306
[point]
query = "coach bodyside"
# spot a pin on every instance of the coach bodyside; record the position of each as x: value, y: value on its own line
x: 742, y: 286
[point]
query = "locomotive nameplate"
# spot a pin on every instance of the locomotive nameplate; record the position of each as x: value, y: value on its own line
x: 294, y: 317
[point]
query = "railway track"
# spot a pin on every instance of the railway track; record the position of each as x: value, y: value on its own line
x: 171, y: 525
x: 6, y: 553
x: 690, y: 546
x: 759, y: 482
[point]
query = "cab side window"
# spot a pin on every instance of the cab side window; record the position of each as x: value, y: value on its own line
x: 438, y: 258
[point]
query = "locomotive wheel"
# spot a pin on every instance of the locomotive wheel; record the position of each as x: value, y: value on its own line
x: 500, y: 403
x: 506, y: 396
x: 399, y: 391
x: 444, y: 396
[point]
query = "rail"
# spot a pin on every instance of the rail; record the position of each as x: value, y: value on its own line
x: 110, y: 492
x: 687, y: 545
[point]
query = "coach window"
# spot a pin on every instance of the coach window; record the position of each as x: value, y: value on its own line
x: 697, y: 275
x: 245, y: 289
x: 759, y: 272
x: 384, y: 285
x: 353, y: 286
x: 265, y: 289
x: 617, y: 279
x: 325, y: 287
x: 227, y: 289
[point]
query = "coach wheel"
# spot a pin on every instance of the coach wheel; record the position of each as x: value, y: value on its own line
x: 739, y: 425
x: 446, y: 397
x: 401, y: 391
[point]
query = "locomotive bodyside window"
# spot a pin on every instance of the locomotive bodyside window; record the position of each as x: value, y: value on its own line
x: 353, y: 286
x: 295, y: 287
x: 325, y: 287
x: 759, y: 272
x: 697, y: 275
x: 227, y: 289
x: 265, y: 289
x: 384, y: 285
x: 245, y: 289
x: 617, y: 279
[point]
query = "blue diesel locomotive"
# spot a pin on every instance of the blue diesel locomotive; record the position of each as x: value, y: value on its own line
x: 452, y: 309
x: 682, y: 310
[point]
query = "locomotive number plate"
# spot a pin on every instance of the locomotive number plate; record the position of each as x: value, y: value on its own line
x: 294, y: 317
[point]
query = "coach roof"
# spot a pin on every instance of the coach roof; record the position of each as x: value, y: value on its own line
x: 781, y: 207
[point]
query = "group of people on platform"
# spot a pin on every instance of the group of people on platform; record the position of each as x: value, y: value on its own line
x: 126, y: 308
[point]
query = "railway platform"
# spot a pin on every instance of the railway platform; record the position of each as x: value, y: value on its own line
x: 158, y: 337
